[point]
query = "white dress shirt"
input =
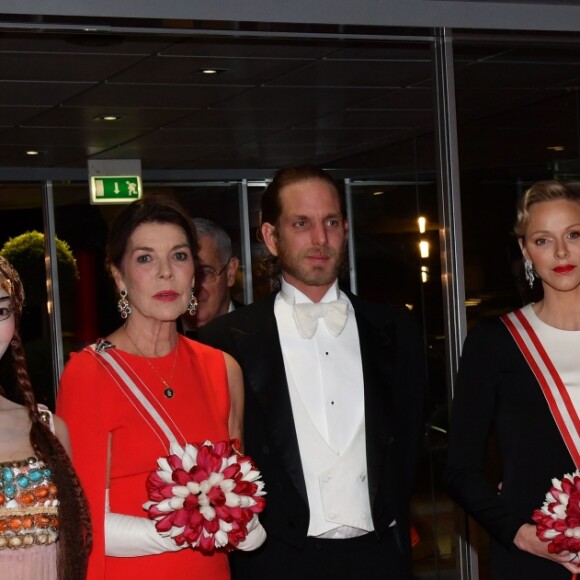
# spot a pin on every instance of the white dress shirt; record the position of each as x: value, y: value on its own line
x: 327, y: 370
x: 325, y: 381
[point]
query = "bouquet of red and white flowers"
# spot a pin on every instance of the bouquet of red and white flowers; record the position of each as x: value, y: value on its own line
x: 558, y: 521
x: 205, y: 495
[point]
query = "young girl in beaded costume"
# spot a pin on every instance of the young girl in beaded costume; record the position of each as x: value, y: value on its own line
x: 45, y: 531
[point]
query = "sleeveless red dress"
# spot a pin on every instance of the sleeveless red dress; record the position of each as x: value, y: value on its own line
x: 94, y: 406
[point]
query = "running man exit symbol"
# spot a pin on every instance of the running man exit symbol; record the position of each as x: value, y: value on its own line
x: 115, y: 189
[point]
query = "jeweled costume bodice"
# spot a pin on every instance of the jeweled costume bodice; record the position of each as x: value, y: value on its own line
x: 28, y: 505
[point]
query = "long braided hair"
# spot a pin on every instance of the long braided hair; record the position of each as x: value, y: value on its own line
x: 75, y: 537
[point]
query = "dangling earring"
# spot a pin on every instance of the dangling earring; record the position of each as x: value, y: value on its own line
x: 192, y: 308
x: 123, y: 305
x: 529, y: 272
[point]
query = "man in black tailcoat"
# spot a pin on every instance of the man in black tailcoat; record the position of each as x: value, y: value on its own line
x: 334, y: 400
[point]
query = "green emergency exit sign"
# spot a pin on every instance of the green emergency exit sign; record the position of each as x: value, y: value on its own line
x: 115, y: 189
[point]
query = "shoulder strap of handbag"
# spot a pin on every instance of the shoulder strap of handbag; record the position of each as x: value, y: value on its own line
x: 138, y: 397
x: 552, y: 386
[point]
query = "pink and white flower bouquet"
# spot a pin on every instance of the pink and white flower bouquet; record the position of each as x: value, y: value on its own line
x: 205, y: 495
x: 558, y: 521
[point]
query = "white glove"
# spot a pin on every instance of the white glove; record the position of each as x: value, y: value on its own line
x: 128, y: 536
x: 255, y: 538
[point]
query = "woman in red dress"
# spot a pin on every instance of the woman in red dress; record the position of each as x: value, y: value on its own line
x: 192, y: 392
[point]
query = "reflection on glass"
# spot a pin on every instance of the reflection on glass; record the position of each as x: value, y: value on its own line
x: 390, y: 268
x: 21, y: 236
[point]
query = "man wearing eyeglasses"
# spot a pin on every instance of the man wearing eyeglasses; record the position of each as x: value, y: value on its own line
x: 215, y: 274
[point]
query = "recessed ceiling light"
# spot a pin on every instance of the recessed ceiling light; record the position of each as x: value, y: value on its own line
x: 109, y: 118
x: 378, y: 192
x: 32, y: 152
x: 556, y: 148
x: 211, y: 71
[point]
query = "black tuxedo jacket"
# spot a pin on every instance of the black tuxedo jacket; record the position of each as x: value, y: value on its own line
x: 193, y: 333
x: 394, y: 376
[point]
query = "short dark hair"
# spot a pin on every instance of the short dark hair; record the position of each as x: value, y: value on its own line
x: 151, y: 209
x: 271, y: 206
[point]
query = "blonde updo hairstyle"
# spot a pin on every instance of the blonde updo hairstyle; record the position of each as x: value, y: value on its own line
x: 551, y: 190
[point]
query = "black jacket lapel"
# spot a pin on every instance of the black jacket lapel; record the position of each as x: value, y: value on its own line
x: 258, y: 346
x: 376, y: 345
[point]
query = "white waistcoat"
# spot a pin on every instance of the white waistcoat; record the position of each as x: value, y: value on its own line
x: 336, y: 485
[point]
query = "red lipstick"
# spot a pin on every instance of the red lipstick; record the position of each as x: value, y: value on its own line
x: 564, y: 269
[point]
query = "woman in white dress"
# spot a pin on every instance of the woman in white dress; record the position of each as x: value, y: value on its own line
x: 45, y: 531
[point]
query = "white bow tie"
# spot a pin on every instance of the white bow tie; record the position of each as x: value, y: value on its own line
x: 307, y: 314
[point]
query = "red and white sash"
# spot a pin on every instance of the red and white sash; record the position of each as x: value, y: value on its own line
x: 140, y: 397
x: 552, y: 386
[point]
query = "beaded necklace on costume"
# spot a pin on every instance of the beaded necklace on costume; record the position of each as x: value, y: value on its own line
x: 28, y: 504
x: 168, y: 391
x: 28, y: 500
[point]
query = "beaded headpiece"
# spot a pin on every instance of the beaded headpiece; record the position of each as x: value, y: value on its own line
x: 12, y: 285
